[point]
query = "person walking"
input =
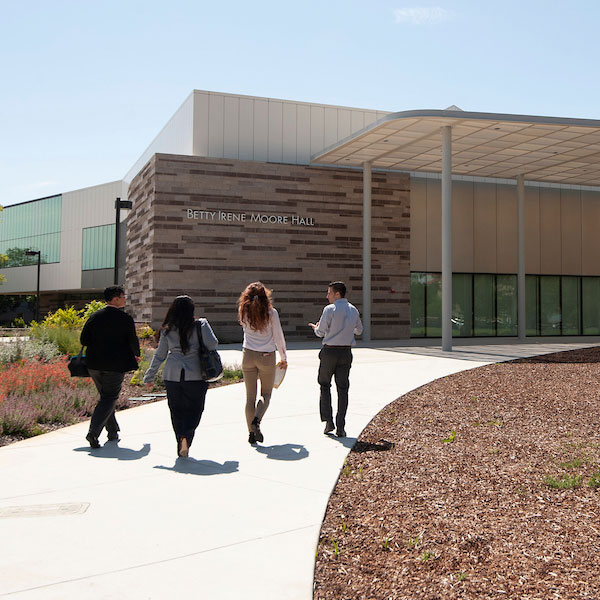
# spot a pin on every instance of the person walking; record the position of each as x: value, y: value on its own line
x: 338, y: 325
x: 113, y: 349
x: 179, y: 345
x: 262, y: 336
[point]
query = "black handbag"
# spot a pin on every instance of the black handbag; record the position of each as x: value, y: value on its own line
x: 211, y: 366
x: 77, y: 365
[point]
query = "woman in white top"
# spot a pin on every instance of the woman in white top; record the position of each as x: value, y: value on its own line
x: 262, y: 336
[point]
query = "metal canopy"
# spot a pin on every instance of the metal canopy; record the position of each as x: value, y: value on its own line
x: 547, y: 149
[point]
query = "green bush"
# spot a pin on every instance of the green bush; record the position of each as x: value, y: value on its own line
x: 147, y: 355
x: 63, y: 326
x: 66, y: 339
x: 232, y: 372
x: 66, y: 318
x: 145, y: 332
x: 91, y: 307
x: 43, y: 350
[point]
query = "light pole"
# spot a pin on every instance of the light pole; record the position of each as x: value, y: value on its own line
x: 119, y: 204
x: 37, y: 253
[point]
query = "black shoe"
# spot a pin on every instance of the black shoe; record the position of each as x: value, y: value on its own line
x: 94, y: 443
x: 340, y: 433
x: 113, y: 437
x: 256, y: 430
x: 329, y: 427
x: 251, y: 438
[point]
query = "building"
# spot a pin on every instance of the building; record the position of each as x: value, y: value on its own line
x: 237, y: 188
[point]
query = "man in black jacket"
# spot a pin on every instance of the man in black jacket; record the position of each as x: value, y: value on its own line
x: 113, y: 349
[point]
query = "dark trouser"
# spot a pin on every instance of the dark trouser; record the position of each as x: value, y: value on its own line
x: 186, y: 403
x: 334, y: 361
x: 108, y: 384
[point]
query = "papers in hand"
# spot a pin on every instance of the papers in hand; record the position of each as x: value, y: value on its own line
x: 280, y: 370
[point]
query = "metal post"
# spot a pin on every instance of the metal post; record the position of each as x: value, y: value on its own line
x: 37, y: 302
x: 447, y: 238
x: 119, y: 204
x: 117, y: 222
x: 521, y: 308
x: 366, y: 316
x: 37, y: 253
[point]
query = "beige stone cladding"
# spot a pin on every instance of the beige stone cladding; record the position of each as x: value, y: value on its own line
x: 208, y: 227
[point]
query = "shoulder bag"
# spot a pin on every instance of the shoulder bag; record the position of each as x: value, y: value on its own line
x: 78, y: 366
x: 211, y: 366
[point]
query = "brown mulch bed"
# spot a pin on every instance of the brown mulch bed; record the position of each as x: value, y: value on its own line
x: 422, y: 512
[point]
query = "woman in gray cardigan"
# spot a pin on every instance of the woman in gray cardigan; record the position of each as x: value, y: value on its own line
x: 186, y: 390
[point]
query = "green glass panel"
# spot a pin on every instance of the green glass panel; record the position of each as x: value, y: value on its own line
x: 506, y: 305
x: 570, y: 305
x: 532, y: 305
x: 31, y: 226
x: 462, y: 304
x: 484, y: 309
x: 433, y: 308
x: 98, y: 248
x: 550, y: 316
x: 590, y: 305
x: 418, y: 281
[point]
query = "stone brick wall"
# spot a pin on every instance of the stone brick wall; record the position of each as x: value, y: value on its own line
x: 208, y: 227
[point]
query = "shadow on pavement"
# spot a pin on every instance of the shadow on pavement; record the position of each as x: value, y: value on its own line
x: 191, y: 466
x: 347, y: 442
x: 112, y: 450
x: 284, y: 451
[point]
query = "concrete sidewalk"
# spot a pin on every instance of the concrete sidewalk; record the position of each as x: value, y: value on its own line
x: 232, y: 521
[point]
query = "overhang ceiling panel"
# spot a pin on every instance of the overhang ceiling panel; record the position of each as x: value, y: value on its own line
x: 487, y: 144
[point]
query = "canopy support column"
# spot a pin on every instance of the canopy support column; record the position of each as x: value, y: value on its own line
x: 447, y: 238
x: 521, y: 307
x: 366, y: 307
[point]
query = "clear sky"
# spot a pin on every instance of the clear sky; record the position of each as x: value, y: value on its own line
x: 86, y: 85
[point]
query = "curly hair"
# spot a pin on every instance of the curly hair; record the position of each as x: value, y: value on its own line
x: 254, y: 306
x: 180, y: 316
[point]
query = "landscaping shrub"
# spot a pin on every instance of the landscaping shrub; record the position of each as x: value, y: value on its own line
x: 146, y: 332
x: 147, y: 354
x: 67, y: 340
x: 24, y: 414
x: 30, y: 376
x: 63, y: 327
x: 43, y: 350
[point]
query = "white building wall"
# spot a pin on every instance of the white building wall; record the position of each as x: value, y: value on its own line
x: 267, y: 129
x: 88, y: 207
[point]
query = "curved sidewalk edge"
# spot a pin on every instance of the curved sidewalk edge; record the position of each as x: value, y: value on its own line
x: 233, y: 521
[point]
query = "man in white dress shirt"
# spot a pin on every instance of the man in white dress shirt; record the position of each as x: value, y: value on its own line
x: 338, y: 325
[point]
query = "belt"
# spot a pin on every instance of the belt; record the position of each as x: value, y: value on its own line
x: 330, y: 346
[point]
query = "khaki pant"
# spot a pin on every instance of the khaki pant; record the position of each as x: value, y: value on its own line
x: 255, y: 366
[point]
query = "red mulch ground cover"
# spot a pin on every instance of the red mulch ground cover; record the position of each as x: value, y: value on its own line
x: 461, y: 506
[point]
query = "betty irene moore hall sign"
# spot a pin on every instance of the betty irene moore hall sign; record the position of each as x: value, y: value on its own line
x: 219, y: 215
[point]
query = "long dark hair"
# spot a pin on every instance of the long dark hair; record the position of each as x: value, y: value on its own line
x: 181, y: 316
x: 254, y: 306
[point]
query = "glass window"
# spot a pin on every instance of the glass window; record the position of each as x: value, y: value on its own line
x: 433, y: 305
x: 418, y: 282
x: 462, y: 305
x: 532, y: 305
x: 590, y: 305
x: 571, y: 316
x: 31, y: 226
x: 98, y: 248
x: 550, y: 316
x: 484, y: 308
x: 506, y: 305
